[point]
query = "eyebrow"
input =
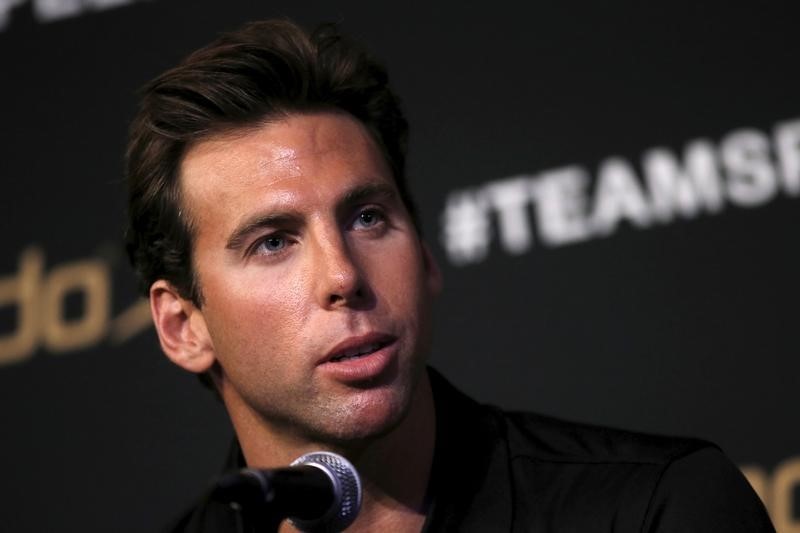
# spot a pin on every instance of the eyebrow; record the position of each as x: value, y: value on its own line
x: 356, y: 195
x: 369, y: 191
x: 238, y: 237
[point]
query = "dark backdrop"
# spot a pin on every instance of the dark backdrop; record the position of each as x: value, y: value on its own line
x: 612, y: 193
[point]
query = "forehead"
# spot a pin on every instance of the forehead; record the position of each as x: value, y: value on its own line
x: 302, y: 155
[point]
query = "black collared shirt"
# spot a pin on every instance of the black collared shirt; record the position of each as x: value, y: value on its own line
x: 495, y: 471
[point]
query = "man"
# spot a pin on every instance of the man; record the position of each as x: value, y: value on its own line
x: 272, y: 228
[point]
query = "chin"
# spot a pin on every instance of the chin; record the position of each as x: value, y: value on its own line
x: 369, y: 415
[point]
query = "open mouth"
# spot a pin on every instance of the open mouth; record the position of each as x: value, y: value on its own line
x: 360, y: 351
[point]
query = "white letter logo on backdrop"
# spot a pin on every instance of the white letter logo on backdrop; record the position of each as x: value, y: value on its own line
x: 747, y: 169
x: 52, y: 10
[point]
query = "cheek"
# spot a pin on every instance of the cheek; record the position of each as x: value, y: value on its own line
x: 401, y: 281
x: 255, y: 313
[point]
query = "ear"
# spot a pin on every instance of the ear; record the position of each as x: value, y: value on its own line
x: 181, y: 328
x: 433, y: 273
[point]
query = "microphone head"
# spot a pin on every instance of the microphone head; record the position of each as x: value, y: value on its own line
x: 347, y: 492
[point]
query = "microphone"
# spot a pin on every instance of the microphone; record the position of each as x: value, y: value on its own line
x: 319, y: 491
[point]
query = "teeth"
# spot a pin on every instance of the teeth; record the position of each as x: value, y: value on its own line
x: 357, y: 352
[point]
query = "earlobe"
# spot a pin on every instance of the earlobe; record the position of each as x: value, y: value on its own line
x: 181, y: 328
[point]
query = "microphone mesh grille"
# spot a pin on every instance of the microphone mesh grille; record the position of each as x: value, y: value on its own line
x: 348, y: 492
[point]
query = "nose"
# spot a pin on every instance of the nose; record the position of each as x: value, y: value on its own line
x: 339, y: 280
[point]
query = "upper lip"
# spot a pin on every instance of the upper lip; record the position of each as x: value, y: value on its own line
x: 360, y: 343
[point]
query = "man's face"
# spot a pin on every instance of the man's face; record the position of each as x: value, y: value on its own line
x: 316, y: 289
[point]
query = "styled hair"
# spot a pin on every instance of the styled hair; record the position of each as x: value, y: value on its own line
x: 265, y: 70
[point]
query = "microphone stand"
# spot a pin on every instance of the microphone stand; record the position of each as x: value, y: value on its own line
x: 266, y: 498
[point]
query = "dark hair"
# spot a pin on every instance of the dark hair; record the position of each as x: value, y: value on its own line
x: 264, y: 70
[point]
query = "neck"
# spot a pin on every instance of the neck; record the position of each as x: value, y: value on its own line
x: 394, y: 468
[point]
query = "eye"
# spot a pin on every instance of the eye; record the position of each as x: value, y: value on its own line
x: 368, y: 218
x: 271, y: 244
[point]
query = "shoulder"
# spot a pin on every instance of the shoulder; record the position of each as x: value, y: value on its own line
x: 542, y: 438
x: 578, y: 476
x: 705, y: 491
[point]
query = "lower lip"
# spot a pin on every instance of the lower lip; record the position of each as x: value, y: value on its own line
x: 362, y: 368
